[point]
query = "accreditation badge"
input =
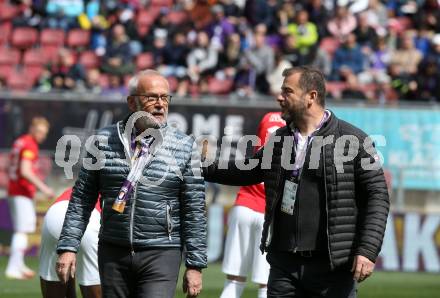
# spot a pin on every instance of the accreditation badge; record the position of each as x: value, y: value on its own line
x: 289, y: 197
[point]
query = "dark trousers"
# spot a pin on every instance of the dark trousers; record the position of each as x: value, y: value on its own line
x: 150, y: 273
x: 292, y: 275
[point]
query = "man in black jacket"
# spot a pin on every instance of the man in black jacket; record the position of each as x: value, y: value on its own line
x: 326, y: 197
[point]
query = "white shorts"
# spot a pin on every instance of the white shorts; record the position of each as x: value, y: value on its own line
x: 23, y: 214
x: 242, y: 248
x: 87, y: 272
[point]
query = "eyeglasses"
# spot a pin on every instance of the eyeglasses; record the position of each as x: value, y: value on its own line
x: 149, y: 99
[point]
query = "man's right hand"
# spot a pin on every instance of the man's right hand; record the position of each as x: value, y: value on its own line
x: 66, y: 266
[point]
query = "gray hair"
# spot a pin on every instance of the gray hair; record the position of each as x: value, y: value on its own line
x: 133, y: 82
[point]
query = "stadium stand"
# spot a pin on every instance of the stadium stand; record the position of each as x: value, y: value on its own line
x: 39, y: 34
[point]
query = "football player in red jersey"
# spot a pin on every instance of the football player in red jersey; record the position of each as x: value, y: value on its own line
x: 86, y: 273
x: 23, y: 183
x: 245, y: 225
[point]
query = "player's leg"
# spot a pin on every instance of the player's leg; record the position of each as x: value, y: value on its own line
x: 91, y: 291
x: 87, y: 262
x: 56, y: 289
x: 51, y: 287
x: 24, y: 221
x: 260, y: 266
x: 238, y: 253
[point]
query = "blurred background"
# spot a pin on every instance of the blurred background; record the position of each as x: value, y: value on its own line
x: 70, y: 61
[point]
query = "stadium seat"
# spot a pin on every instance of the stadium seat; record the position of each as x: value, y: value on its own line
x: 330, y: 45
x: 146, y: 17
x: 33, y: 72
x: 399, y: 24
x: 177, y: 17
x: 9, y: 56
x: 216, y: 86
x: 50, y: 53
x: 52, y: 37
x: 7, y: 12
x: 103, y: 80
x: 194, y: 90
x: 24, y: 37
x: 369, y: 90
x: 5, y: 71
x: 19, y: 81
x: 143, y: 30
x: 78, y: 38
x: 172, y: 81
x: 34, y: 57
x: 144, y: 61
x: 161, y: 3
x: 5, y: 30
x: 89, y: 60
x: 335, y: 88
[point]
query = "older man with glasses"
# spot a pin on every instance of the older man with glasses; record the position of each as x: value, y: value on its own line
x: 153, y: 203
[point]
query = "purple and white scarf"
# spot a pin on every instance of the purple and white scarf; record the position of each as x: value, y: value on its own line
x: 139, y: 160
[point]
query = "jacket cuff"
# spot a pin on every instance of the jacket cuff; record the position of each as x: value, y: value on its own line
x: 194, y: 268
x: 60, y: 250
x: 366, y: 253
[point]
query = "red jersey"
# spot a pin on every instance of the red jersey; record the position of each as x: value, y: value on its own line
x: 25, y: 147
x: 253, y: 196
x: 67, y: 194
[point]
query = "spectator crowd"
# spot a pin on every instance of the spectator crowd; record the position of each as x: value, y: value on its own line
x: 379, y: 51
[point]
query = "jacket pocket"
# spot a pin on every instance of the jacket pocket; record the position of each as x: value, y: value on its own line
x: 169, y: 219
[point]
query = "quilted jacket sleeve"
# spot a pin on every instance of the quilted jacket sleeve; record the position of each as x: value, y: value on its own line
x: 374, y: 204
x: 83, y: 200
x: 193, y: 214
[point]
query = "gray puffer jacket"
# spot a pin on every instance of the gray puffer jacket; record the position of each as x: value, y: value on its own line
x: 168, y: 211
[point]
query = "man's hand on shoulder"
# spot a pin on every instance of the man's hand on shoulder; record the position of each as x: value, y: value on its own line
x: 192, y: 282
x: 204, y: 152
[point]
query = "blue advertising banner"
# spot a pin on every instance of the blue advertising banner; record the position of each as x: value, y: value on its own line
x: 408, y: 140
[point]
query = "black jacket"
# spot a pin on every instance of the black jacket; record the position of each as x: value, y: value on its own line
x: 357, y: 202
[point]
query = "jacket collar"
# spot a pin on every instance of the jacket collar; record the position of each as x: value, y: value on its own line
x: 125, y: 138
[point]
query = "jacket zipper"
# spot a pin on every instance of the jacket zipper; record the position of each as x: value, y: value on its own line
x: 270, y: 228
x: 298, y: 230
x: 169, y: 220
x: 326, y: 207
x: 132, y: 219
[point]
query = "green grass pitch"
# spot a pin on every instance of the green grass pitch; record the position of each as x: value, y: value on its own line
x: 380, y: 285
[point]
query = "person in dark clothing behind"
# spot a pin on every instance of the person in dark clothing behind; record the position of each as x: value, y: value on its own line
x: 348, y: 59
x: 118, y: 57
x: 174, y: 61
x: 319, y: 15
x: 326, y: 203
x: 428, y: 82
x: 229, y: 57
x: 366, y: 36
x: 67, y: 74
